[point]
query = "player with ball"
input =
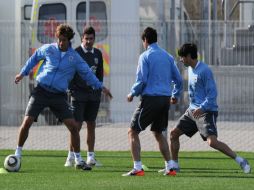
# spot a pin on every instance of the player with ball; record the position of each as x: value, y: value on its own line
x: 60, y: 63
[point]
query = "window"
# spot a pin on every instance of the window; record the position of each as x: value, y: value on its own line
x: 97, y: 18
x: 27, y: 12
x: 50, y: 16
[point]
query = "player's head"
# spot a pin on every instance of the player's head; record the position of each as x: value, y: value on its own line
x: 88, y: 37
x: 149, y: 36
x: 188, y: 49
x: 64, y: 33
x: 188, y: 54
x: 65, y: 30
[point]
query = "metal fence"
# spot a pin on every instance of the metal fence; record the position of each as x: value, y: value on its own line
x: 226, y: 47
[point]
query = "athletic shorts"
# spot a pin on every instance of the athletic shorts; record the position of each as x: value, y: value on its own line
x: 41, y: 98
x: 206, y: 124
x: 151, y: 110
x: 85, y: 110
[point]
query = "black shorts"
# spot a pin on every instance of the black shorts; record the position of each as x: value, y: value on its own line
x: 85, y: 110
x: 41, y: 98
x: 151, y: 110
x: 206, y: 125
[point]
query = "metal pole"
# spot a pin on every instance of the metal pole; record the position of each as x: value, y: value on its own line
x: 87, y: 12
x: 225, y: 22
x: 215, y: 10
x: 214, y: 44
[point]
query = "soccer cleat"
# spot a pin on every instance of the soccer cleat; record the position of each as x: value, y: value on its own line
x: 93, y: 162
x: 171, y: 172
x: 69, y: 162
x: 245, y: 166
x: 83, y: 166
x: 135, y: 172
x: 177, y: 169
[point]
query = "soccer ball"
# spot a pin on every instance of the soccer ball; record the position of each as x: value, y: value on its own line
x: 12, y: 163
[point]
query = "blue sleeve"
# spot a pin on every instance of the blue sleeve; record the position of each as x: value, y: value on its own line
x: 177, y: 80
x: 210, y: 90
x: 86, y: 74
x: 38, y: 55
x: 141, y: 77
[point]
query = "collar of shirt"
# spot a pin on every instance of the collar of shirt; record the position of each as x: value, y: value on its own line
x: 197, y: 64
x: 152, y: 45
x: 56, y: 45
x: 85, y: 50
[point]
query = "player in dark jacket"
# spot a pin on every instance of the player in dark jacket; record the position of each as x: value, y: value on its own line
x: 84, y: 98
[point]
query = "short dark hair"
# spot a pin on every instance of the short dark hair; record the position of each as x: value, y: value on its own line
x: 188, y: 49
x: 65, y: 30
x: 88, y: 30
x: 150, y: 35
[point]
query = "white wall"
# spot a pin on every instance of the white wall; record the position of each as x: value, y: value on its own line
x: 125, y: 43
x: 124, y: 10
x: 7, y: 10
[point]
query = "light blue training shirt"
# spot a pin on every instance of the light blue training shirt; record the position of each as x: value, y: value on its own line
x: 157, y: 74
x: 202, y: 88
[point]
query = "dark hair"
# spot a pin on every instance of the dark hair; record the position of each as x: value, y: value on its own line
x: 65, y: 30
x: 188, y: 48
x: 150, y: 35
x: 89, y: 30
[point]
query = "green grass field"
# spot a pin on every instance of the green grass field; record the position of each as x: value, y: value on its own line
x: 44, y: 170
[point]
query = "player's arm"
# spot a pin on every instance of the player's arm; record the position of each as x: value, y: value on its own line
x: 107, y: 92
x: 141, y: 79
x: 99, y: 74
x: 38, y: 55
x: 87, y: 75
x: 210, y: 91
x: 197, y: 113
x: 178, y: 84
x: 99, y: 71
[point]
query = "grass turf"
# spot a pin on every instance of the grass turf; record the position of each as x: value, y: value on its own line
x: 44, y: 170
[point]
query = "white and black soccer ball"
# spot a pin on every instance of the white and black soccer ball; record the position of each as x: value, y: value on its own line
x: 12, y: 163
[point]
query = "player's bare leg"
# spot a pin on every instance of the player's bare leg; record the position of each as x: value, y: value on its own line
x: 134, y: 144
x: 225, y: 149
x: 163, y: 145
x: 164, y: 149
x: 23, y: 134
x: 90, y: 141
x: 70, y: 145
x: 174, y: 142
x: 70, y: 161
x: 73, y: 127
x: 134, y: 141
x: 220, y: 146
x: 24, y: 130
x: 90, y: 136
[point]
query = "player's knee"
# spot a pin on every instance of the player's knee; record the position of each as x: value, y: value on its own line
x: 174, y: 134
x: 158, y: 135
x: 72, y: 125
x: 132, y: 132
x: 212, y: 142
x: 27, y: 122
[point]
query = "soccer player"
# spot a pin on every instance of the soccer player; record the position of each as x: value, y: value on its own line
x: 155, y: 73
x: 85, y: 99
x: 61, y: 62
x: 203, y: 109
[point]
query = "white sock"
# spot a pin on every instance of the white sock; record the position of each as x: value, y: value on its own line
x: 238, y: 159
x: 78, y: 157
x: 18, y: 151
x: 70, y: 155
x: 168, y: 165
x: 173, y: 164
x: 137, y: 165
x: 90, y: 154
